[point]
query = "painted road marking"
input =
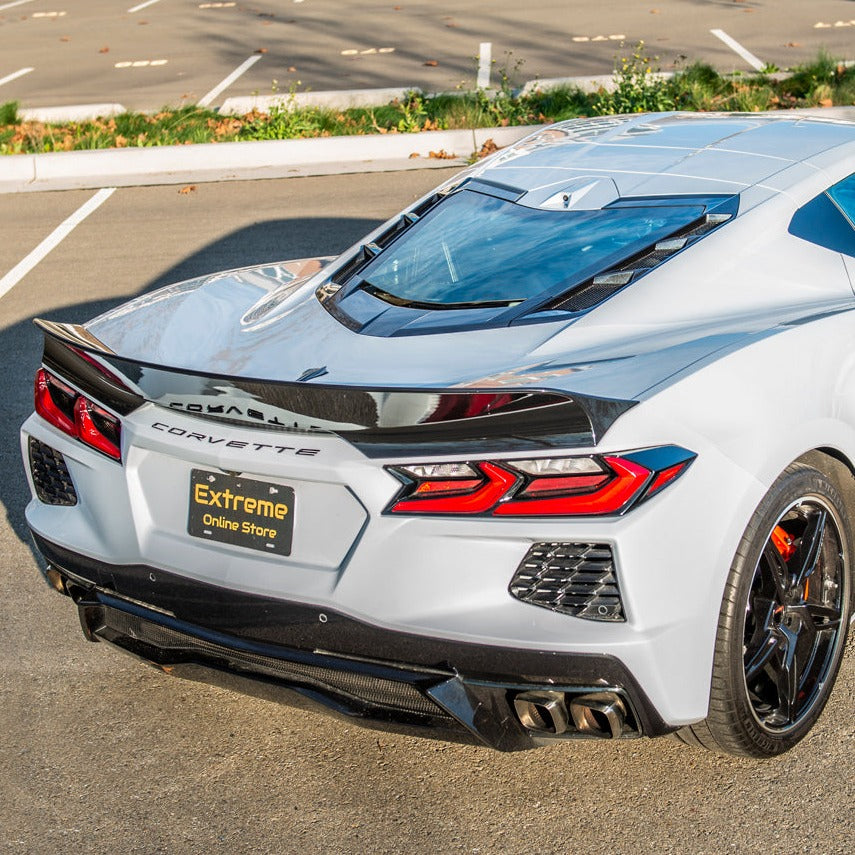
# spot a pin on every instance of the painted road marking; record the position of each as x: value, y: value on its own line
x: 216, y: 5
x: 241, y: 69
x: 366, y: 51
x: 141, y: 6
x: 15, y: 75
x: 23, y: 267
x: 819, y: 25
x: 615, y: 37
x: 485, y: 62
x: 139, y: 63
x: 15, y: 3
x: 737, y: 48
x: 48, y: 14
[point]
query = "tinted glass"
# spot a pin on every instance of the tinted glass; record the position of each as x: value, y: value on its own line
x: 474, y: 248
x: 843, y: 195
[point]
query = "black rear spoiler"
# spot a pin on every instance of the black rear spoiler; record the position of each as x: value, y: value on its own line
x: 380, y: 422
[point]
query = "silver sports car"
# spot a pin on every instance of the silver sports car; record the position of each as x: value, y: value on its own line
x: 563, y: 450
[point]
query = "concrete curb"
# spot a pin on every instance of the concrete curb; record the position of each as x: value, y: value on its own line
x: 72, y: 113
x: 344, y: 99
x: 242, y: 161
x: 593, y: 83
x: 334, y: 99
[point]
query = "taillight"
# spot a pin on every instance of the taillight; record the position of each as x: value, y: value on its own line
x: 55, y: 402
x: 562, y: 486
x: 76, y: 415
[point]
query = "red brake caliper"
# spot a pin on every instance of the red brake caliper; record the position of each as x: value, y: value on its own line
x: 783, y: 543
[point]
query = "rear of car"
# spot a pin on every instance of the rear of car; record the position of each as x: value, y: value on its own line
x: 408, y: 589
x: 483, y: 475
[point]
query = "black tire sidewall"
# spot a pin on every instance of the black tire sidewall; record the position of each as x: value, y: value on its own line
x: 796, y: 483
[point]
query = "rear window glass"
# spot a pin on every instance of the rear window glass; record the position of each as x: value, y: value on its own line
x: 474, y: 248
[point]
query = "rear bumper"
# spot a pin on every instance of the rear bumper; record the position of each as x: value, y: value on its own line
x: 298, y: 653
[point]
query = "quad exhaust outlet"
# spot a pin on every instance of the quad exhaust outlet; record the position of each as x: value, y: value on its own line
x: 601, y: 714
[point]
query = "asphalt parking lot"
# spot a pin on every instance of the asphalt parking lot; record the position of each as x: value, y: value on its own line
x: 144, y: 54
x: 100, y: 754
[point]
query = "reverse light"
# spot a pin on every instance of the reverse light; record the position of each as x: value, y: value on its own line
x: 560, y: 486
x: 77, y: 416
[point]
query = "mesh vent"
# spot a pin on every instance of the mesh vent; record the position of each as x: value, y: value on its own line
x: 375, y: 691
x: 572, y: 578
x: 51, y: 477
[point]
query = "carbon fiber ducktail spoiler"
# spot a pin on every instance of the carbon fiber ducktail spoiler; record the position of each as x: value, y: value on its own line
x: 380, y: 422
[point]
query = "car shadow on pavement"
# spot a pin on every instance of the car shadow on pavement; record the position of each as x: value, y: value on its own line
x: 21, y: 342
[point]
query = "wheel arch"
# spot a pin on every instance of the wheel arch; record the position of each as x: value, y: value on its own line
x: 838, y: 467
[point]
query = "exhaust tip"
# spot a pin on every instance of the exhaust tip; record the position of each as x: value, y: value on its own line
x: 599, y: 714
x: 55, y: 580
x: 542, y: 711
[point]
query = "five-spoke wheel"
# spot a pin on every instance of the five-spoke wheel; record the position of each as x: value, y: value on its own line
x: 783, y: 621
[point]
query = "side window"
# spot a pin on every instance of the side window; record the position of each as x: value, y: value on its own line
x: 843, y: 195
x: 828, y: 220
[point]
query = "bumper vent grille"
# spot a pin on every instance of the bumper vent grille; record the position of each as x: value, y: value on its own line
x: 576, y: 579
x: 364, y: 688
x: 51, y: 477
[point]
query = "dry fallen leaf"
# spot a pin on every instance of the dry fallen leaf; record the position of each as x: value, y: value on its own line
x: 292, y: 68
x: 826, y: 102
x: 65, y: 38
x: 654, y: 11
x: 431, y: 62
x: 261, y: 50
x: 488, y: 148
x: 793, y: 44
x: 121, y: 141
x: 104, y: 49
x: 414, y: 154
x: 190, y: 188
x: 442, y: 154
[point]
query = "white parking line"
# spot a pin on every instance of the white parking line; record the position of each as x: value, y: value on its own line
x: 15, y: 75
x: 142, y: 6
x: 23, y: 267
x: 16, y: 3
x: 241, y: 69
x: 139, y: 63
x: 485, y: 60
x: 737, y: 48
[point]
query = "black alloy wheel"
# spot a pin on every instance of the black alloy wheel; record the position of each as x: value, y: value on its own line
x: 794, y: 615
x: 783, y: 621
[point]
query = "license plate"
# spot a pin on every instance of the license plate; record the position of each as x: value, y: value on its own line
x: 241, y: 511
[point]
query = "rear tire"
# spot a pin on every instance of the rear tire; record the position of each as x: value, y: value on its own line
x: 783, y: 620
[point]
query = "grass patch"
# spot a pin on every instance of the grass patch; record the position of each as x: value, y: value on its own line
x: 824, y: 82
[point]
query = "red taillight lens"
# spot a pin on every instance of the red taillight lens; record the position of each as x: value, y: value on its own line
x: 76, y: 415
x: 55, y: 402
x: 96, y: 427
x: 606, y: 497
x: 568, y: 486
x: 478, y: 499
